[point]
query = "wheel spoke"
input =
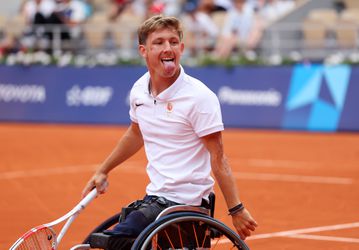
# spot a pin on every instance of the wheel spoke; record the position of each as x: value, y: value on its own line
x: 180, y: 235
x: 169, y: 240
x: 195, y: 234
x: 207, y: 234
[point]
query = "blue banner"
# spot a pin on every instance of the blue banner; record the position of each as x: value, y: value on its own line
x: 303, y: 97
x: 349, y: 119
x: 316, y: 97
x: 250, y: 96
x: 68, y: 95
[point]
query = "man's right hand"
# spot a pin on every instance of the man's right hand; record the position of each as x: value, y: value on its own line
x: 244, y: 223
x: 98, y: 181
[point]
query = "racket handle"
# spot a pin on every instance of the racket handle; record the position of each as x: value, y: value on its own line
x: 88, y: 198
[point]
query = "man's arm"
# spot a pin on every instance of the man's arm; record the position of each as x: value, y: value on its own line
x: 128, y: 145
x: 242, y: 220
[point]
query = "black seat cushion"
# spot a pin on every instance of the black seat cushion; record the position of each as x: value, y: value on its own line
x: 110, y: 242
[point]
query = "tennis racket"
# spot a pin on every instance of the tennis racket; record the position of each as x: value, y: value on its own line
x: 44, y: 237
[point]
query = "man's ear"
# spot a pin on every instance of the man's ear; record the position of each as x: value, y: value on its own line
x: 142, y: 50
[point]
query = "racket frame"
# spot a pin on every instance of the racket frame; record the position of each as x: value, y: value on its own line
x: 70, y: 217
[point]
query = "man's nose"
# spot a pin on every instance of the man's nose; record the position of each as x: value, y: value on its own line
x: 167, y: 45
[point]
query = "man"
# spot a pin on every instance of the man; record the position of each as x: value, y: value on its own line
x: 178, y: 120
x: 36, y: 14
x: 37, y: 11
x: 70, y: 14
x: 242, y: 29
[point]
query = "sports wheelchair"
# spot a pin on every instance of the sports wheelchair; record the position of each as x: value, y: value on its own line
x: 176, y: 227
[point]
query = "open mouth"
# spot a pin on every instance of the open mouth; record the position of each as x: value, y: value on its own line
x: 169, y: 63
x: 167, y: 60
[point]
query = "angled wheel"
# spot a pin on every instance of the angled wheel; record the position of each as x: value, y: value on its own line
x: 188, y: 230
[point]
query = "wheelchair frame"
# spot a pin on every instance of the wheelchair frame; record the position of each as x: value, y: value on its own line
x: 174, y: 215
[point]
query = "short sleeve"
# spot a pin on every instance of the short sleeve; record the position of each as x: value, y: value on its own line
x: 132, y: 111
x: 206, y: 117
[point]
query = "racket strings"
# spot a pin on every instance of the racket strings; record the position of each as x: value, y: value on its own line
x: 44, y: 239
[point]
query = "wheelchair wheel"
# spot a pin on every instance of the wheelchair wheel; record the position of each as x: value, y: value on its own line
x: 188, y: 230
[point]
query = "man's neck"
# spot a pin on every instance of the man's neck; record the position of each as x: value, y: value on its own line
x: 159, y: 84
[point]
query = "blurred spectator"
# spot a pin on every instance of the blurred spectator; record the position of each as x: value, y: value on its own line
x: 172, y: 7
x: 222, y: 5
x: 117, y: 7
x: 242, y: 30
x: 87, y: 7
x: 154, y: 7
x: 42, y: 15
x: 70, y: 14
x: 206, y: 6
x: 165, y: 7
x: 339, y: 5
x: 8, y: 45
x: 200, y: 30
x: 147, y: 8
x: 271, y: 10
x: 36, y: 14
x: 37, y: 11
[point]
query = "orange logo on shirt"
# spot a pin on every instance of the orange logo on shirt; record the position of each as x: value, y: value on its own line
x: 169, y: 107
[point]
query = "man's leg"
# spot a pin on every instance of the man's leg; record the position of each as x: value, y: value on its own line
x: 125, y: 232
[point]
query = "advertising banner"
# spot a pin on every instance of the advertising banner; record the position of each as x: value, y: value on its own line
x: 316, y: 97
x: 66, y: 95
x: 349, y: 119
x: 250, y: 96
x: 303, y: 97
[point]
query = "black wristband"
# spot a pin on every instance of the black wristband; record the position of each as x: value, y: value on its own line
x: 236, y: 209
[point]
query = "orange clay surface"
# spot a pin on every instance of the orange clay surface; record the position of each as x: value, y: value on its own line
x: 306, y: 182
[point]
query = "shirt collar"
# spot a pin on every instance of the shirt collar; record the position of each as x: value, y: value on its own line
x: 171, y: 90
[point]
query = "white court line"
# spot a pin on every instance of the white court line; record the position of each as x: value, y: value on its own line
x: 258, y: 162
x: 304, y: 231
x: 324, y: 238
x: 45, y: 172
x: 279, y: 177
x: 133, y: 167
x: 293, y: 178
x: 274, y: 177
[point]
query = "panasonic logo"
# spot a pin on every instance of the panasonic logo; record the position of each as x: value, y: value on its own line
x: 231, y: 96
x: 22, y: 93
x: 88, y: 96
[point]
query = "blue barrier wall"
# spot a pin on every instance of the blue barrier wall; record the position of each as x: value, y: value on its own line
x: 302, y: 97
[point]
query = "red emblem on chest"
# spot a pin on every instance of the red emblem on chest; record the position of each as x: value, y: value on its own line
x: 169, y: 107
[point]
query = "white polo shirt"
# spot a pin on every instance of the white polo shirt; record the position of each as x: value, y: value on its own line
x: 179, y: 165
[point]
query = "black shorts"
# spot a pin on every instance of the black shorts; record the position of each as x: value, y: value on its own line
x: 134, y: 219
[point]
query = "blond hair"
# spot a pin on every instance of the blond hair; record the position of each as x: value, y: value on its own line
x: 156, y: 23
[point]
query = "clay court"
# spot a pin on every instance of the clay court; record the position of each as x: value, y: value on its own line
x: 302, y: 188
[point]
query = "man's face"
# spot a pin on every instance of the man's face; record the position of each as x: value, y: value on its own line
x: 162, y: 52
